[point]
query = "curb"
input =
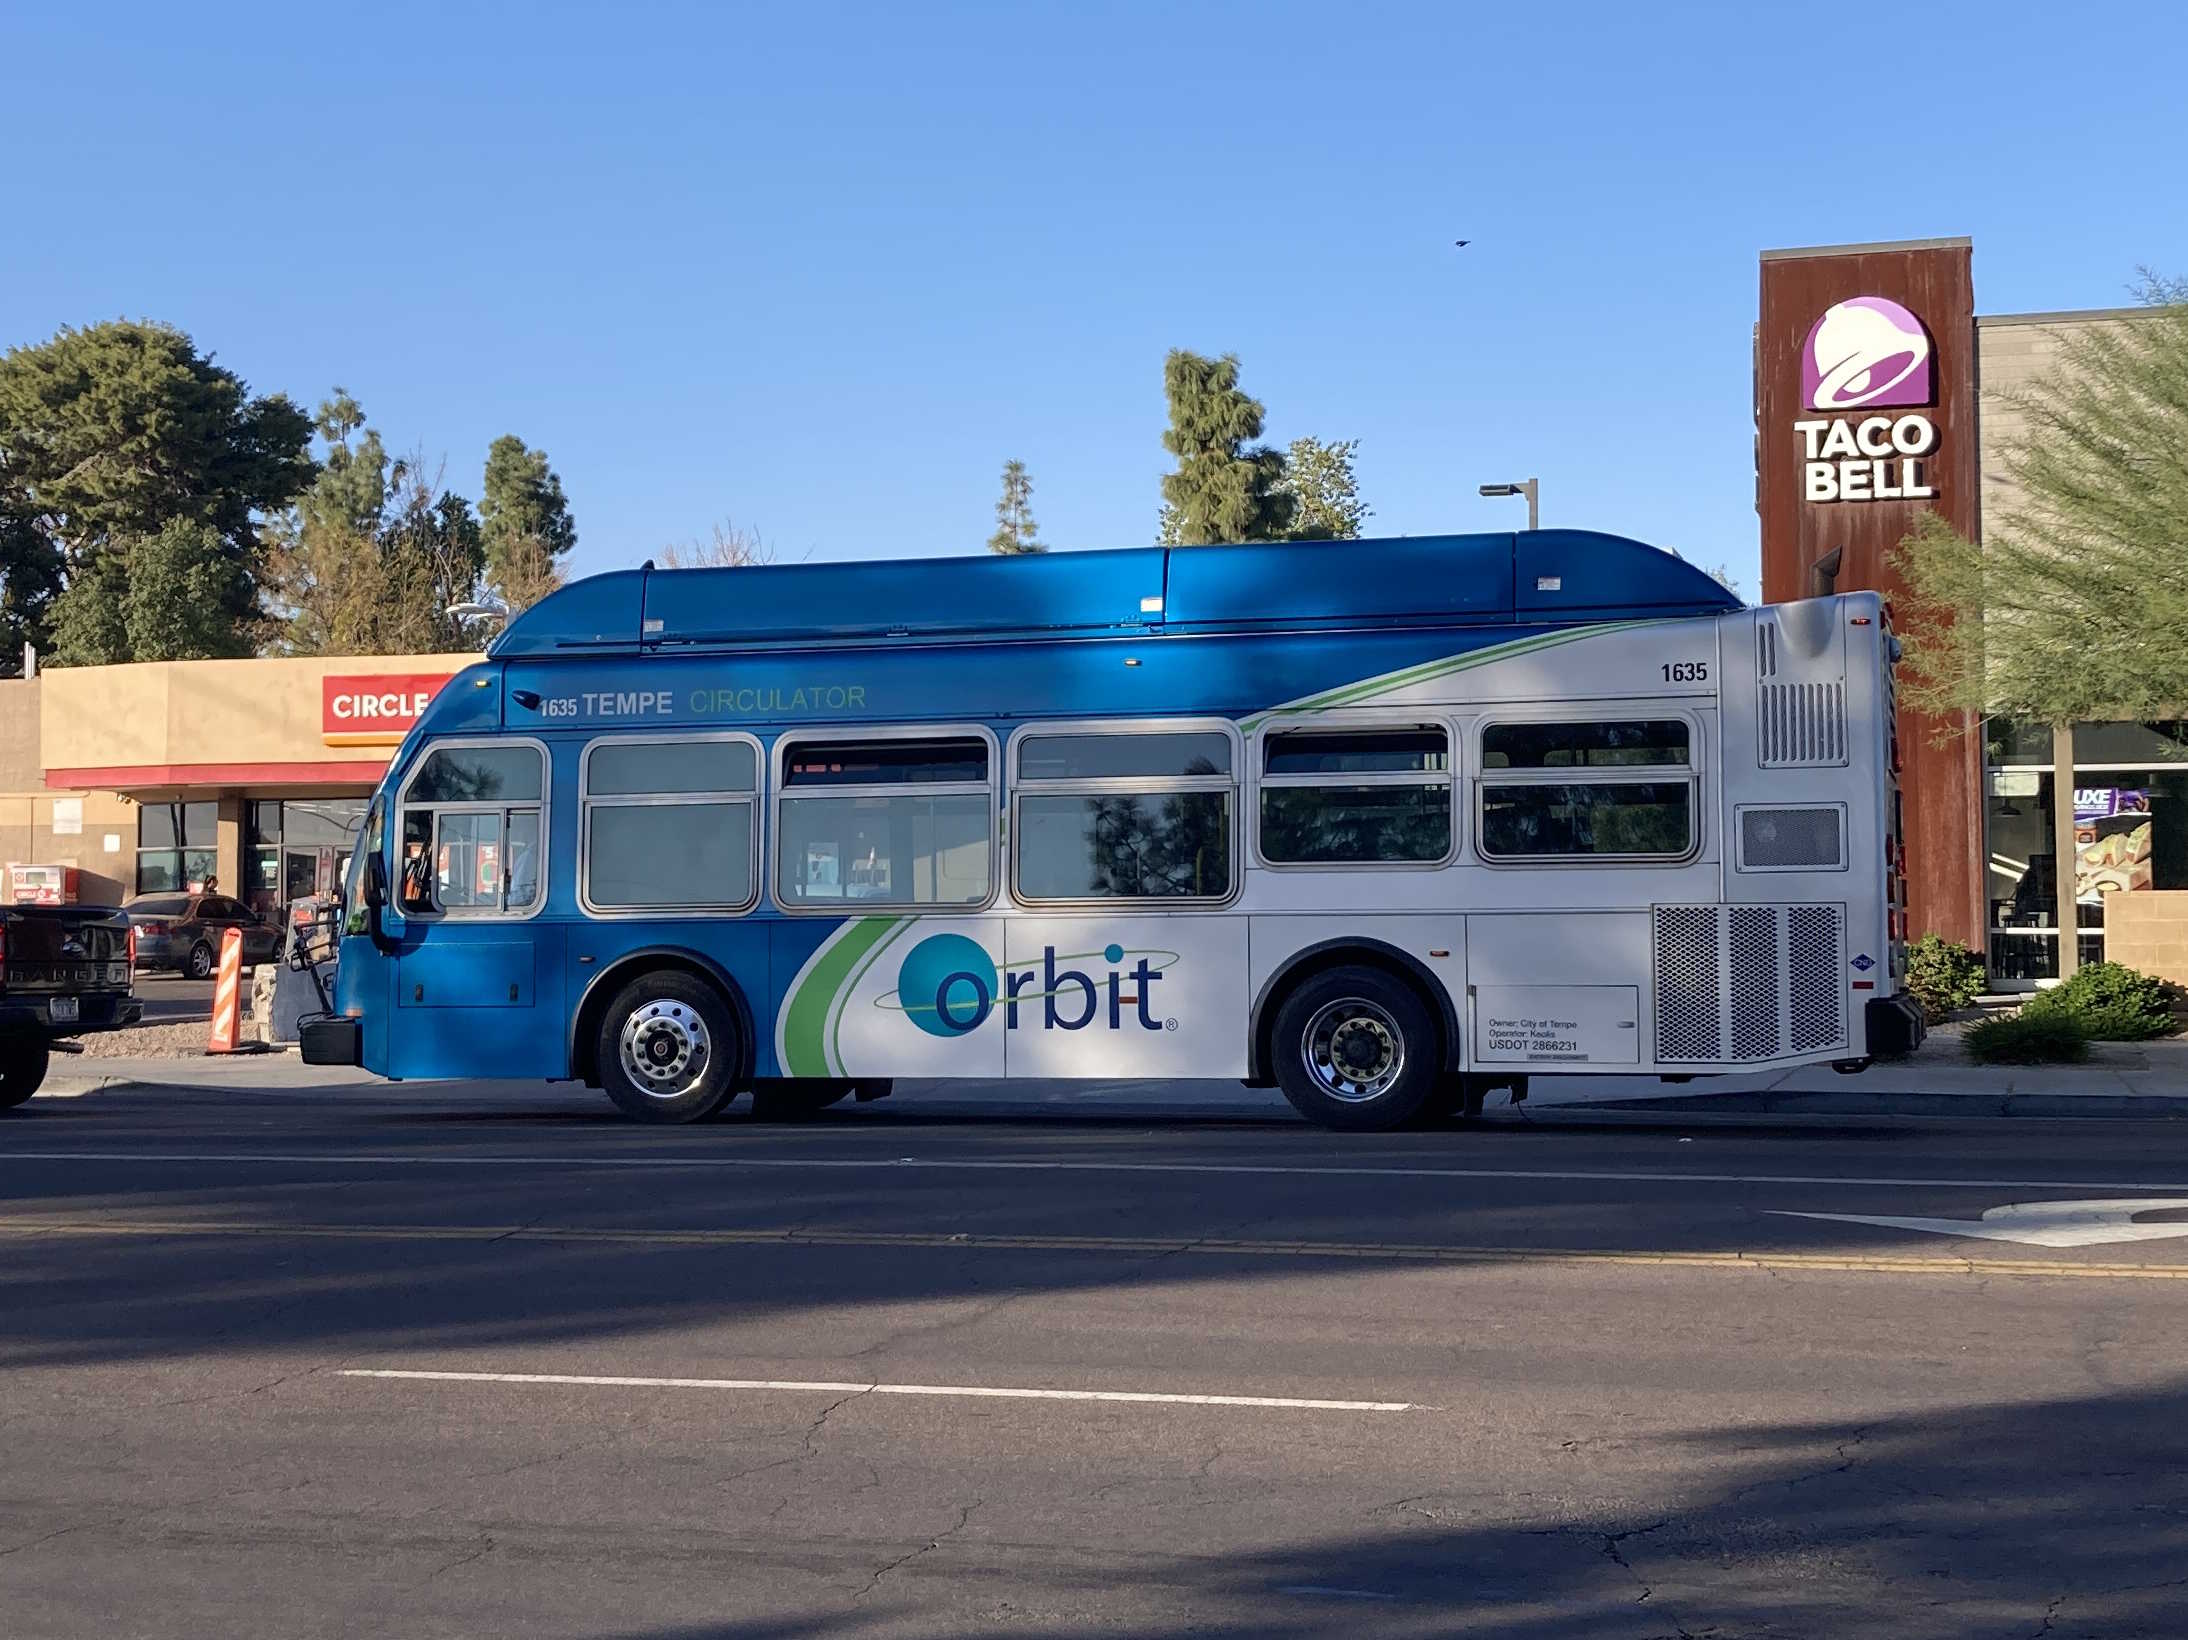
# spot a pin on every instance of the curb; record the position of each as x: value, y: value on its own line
x: 2150, y: 1107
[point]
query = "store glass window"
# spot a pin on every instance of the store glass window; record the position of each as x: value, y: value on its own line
x: 282, y: 842
x: 2130, y: 837
x: 175, y: 852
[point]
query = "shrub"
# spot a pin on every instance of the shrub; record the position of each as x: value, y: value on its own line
x: 1943, y: 976
x: 2026, y: 1038
x: 2110, y: 1002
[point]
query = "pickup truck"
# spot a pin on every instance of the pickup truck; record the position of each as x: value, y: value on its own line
x: 64, y: 970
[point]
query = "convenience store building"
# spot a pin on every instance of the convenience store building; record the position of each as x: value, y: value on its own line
x: 169, y: 775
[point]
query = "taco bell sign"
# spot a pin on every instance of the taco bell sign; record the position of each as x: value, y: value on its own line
x: 1866, y: 354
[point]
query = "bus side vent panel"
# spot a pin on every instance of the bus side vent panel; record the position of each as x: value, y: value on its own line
x: 1816, y: 942
x: 1687, y: 983
x: 1803, y: 725
x: 1747, y: 984
x: 1756, y: 982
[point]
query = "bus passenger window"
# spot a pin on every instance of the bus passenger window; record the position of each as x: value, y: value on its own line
x: 1356, y: 796
x: 1581, y: 790
x: 473, y: 825
x: 668, y: 824
x: 864, y: 824
x: 1124, y: 815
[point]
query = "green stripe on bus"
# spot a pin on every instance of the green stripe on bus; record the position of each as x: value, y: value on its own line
x: 805, y: 1015
x: 1367, y: 689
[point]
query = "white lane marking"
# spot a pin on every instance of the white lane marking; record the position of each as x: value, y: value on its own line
x: 2040, y: 1224
x: 1288, y: 1403
x: 914, y: 1164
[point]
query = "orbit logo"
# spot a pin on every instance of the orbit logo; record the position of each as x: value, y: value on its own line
x: 1866, y: 350
x: 949, y: 986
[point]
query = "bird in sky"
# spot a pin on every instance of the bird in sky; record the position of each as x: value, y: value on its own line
x: 1462, y: 243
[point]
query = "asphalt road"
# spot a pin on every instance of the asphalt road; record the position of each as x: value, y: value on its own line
x: 418, y: 1361
x: 172, y: 999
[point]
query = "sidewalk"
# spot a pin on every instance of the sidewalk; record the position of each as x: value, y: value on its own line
x: 2143, y: 1079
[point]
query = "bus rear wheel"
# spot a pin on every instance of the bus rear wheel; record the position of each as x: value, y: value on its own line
x: 668, y: 1049
x: 1356, y: 1050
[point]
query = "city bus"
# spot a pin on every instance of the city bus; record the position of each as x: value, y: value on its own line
x: 1386, y: 825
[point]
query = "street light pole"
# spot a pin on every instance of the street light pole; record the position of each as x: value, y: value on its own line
x: 1530, y: 488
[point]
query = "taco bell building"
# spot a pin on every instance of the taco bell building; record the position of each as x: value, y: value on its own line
x: 1880, y: 391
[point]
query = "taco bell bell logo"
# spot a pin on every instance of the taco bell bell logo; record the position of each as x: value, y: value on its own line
x: 1866, y: 353
x: 1863, y: 351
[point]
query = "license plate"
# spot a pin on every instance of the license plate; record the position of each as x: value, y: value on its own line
x: 62, y: 1010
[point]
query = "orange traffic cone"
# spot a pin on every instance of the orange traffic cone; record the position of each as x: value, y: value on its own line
x: 228, y: 995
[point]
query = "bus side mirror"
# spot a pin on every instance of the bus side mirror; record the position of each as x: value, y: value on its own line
x: 375, y: 881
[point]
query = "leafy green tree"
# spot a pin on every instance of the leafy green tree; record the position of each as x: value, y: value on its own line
x: 30, y: 576
x: 1015, y: 530
x: 375, y: 552
x: 181, y: 588
x: 108, y: 434
x: 2073, y: 605
x: 1226, y: 488
x: 1326, y: 504
x: 525, y: 523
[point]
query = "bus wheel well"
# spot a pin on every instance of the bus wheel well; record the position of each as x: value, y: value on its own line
x: 1406, y: 969
x: 602, y: 989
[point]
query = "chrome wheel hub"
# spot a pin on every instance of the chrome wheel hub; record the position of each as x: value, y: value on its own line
x: 664, y: 1047
x: 1353, y: 1049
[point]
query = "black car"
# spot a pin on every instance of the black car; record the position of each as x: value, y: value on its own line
x: 182, y: 932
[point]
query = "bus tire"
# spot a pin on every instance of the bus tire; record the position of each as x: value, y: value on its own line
x: 668, y: 1048
x: 794, y: 1098
x: 1355, y: 1049
x: 23, y: 1061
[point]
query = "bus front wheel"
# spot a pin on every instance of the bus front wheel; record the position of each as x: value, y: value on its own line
x: 1355, y: 1049
x: 668, y: 1048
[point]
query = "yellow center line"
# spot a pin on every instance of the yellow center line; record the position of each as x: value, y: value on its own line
x: 1143, y: 1246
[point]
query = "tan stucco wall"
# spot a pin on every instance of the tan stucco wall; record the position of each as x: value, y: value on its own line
x: 2012, y: 351
x: 170, y: 712
x: 27, y: 836
x: 2148, y: 930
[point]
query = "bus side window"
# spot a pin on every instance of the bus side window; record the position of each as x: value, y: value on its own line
x: 1588, y: 790
x: 473, y: 826
x: 1366, y: 794
x: 416, y: 893
x: 1125, y: 812
x: 880, y: 819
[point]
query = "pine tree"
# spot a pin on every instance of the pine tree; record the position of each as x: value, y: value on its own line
x: 1015, y: 530
x: 107, y: 435
x: 525, y: 523
x: 375, y: 552
x: 1225, y: 489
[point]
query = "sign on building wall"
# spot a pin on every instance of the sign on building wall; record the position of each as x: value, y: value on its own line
x: 376, y: 709
x: 1866, y: 354
x: 1865, y: 419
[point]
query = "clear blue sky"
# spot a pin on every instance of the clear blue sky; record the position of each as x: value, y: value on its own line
x: 820, y: 268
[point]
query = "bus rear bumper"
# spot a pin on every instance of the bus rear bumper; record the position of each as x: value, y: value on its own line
x: 1895, y: 1026
x: 331, y: 1042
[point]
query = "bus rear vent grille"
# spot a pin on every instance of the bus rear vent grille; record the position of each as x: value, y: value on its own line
x: 1746, y: 983
x: 1803, y: 725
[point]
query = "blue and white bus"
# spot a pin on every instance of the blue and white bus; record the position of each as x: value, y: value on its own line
x: 1384, y: 824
